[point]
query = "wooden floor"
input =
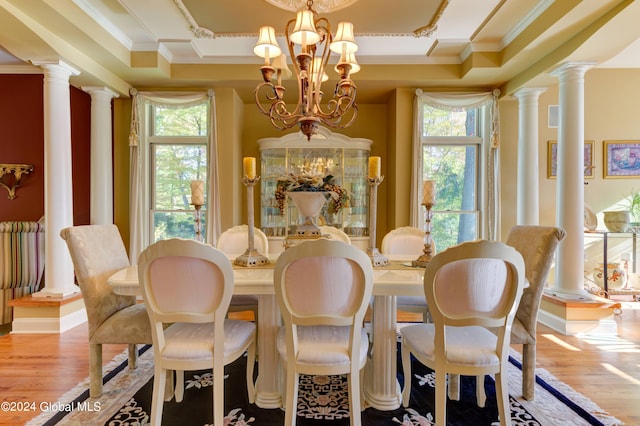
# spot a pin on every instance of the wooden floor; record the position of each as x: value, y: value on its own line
x: 40, y: 368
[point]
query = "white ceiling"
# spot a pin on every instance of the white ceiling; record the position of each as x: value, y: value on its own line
x: 194, y: 43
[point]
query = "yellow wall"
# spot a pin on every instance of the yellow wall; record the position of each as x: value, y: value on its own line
x: 610, y: 114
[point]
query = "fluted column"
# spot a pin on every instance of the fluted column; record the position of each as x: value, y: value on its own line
x: 101, y: 155
x: 569, y: 274
x: 58, y: 194
x: 528, y: 196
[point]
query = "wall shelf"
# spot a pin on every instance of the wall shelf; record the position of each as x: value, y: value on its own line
x: 15, y: 173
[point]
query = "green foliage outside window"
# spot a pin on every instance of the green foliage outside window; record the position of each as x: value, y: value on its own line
x: 454, y: 168
x: 179, y: 153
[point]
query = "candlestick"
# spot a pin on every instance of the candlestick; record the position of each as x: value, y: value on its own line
x: 429, y: 192
x: 197, y: 192
x: 427, y: 254
x: 251, y: 257
x: 374, y: 167
x: 197, y: 225
x: 377, y: 258
x: 249, y: 167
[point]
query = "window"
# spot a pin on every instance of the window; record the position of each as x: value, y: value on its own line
x: 452, y: 154
x: 177, y: 154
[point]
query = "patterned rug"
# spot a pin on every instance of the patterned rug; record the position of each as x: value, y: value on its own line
x: 323, y: 401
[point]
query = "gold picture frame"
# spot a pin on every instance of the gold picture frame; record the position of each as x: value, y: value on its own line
x: 621, y: 159
x: 552, y: 159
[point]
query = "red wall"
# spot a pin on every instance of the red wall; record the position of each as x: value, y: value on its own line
x: 22, y: 141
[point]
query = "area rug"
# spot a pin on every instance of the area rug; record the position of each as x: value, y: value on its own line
x: 126, y: 400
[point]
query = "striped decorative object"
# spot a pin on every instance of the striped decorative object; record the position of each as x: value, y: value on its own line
x: 21, y: 262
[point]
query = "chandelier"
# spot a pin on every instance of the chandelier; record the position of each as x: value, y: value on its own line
x: 310, y: 44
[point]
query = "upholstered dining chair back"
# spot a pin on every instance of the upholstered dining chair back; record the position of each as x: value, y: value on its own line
x: 404, y: 240
x: 235, y: 240
x: 187, y: 287
x: 335, y: 234
x: 537, y: 245
x: 323, y: 288
x: 409, y: 241
x: 97, y: 252
x: 473, y: 290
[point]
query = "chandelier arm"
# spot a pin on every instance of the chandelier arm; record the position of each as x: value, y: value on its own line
x: 336, y: 122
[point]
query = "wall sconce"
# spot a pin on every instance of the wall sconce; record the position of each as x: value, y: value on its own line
x: 17, y: 170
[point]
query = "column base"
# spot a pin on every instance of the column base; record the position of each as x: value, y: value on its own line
x: 578, y: 314
x: 57, y: 293
x: 51, y: 315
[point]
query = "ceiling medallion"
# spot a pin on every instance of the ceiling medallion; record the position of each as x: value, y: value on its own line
x: 320, y: 6
x: 310, y: 43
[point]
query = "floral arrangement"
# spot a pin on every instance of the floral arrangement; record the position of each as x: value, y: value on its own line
x: 305, y: 181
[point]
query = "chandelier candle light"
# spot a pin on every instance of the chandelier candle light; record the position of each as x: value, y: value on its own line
x: 428, y: 201
x: 197, y: 200
x: 251, y: 257
x: 374, y: 178
x: 310, y: 43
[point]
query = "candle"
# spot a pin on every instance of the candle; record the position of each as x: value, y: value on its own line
x: 249, y: 165
x: 429, y: 192
x: 374, y: 167
x: 197, y: 192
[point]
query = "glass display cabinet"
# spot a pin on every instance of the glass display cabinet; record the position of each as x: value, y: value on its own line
x: 327, y: 154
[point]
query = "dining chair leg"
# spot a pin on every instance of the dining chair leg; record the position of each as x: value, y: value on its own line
x: 157, y: 402
x: 353, y: 389
x: 502, y: 398
x: 528, y: 371
x: 481, y: 396
x: 218, y: 395
x: 453, y: 387
x: 441, y: 398
x: 179, y: 387
x: 95, y: 370
x: 291, y: 407
x: 406, y: 367
x: 133, y: 356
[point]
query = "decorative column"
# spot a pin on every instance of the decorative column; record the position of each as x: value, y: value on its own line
x: 569, y: 274
x: 101, y: 155
x: 528, y: 193
x: 58, y: 194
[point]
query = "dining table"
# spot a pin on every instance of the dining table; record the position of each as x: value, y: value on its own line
x: 381, y: 390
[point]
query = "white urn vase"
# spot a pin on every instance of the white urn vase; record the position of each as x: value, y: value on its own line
x: 616, y: 276
x: 616, y: 221
x: 309, y: 205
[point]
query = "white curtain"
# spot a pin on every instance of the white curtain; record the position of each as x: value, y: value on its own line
x: 460, y: 102
x: 138, y: 169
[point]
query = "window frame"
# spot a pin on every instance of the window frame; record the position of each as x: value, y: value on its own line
x: 149, y: 156
x: 482, y: 141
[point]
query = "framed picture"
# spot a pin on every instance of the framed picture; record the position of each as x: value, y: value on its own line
x: 552, y: 159
x: 621, y: 159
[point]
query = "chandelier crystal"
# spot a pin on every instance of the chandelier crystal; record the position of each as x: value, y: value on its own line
x: 310, y: 43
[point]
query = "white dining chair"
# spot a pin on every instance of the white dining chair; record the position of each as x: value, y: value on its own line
x: 235, y: 241
x: 187, y: 287
x: 473, y: 291
x: 409, y: 241
x: 323, y: 289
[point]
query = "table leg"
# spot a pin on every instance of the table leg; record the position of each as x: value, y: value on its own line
x: 268, y: 382
x: 382, y: 390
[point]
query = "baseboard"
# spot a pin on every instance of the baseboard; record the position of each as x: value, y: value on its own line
x: 606, y: 326
x: 48, y: 325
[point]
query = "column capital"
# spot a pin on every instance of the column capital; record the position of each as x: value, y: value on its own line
x: 572, y: 67
x: 55, y: 65
x: 529, y: 92
x: 100, y: 90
